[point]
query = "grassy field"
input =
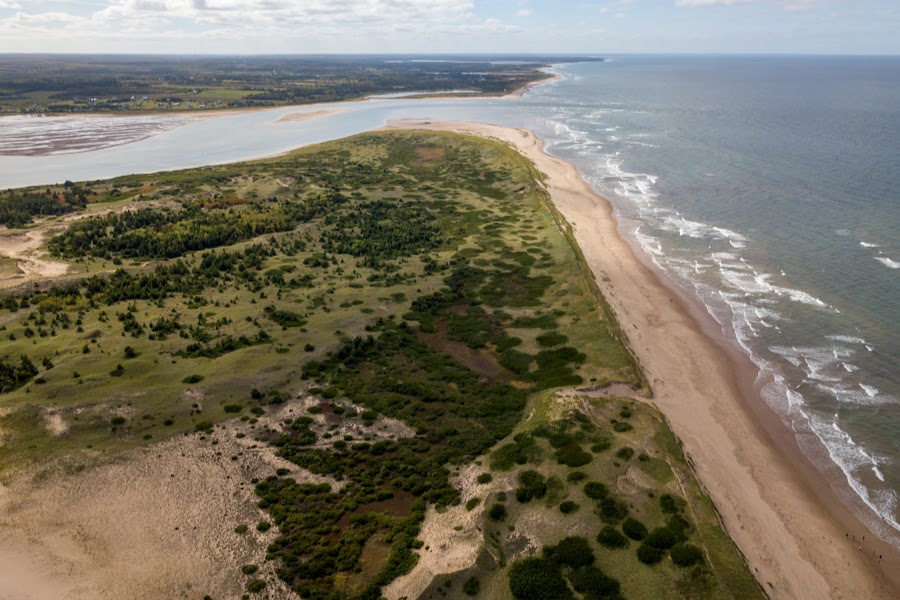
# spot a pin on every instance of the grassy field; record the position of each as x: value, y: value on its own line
x: 421, y: 277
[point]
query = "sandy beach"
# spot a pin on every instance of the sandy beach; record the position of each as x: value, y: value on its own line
x: 798, y: 540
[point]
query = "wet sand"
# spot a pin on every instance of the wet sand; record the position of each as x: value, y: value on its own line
x: 799, y: 541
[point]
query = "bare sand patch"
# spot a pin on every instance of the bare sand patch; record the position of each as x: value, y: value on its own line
x: 54, y: 422
x: 452, y: 538
x: 307, y: 116
x: 154, y: 523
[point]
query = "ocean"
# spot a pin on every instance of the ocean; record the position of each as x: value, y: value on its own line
x: 768, y: 188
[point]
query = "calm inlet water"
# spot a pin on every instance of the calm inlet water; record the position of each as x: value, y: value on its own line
x: 767, y: 188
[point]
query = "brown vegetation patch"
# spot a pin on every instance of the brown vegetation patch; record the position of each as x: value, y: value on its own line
x: 428, y: 156
x: 481, y: 361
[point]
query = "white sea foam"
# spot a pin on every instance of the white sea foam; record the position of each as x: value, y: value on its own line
x: 847, y: 339
x: 868, y: 245
x: 891, y: 264
x: 854, y: 461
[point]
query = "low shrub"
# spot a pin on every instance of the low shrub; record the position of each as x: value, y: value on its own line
x: 594, y: 583
x: 611, y: 510
x: 648, y: 554
x: 192, y: 379
x: 573, y: 551
x: 634, y: 529
x: 537, y: 579
x: 610, y: 537
x: 572, y: 455
x: 497, y: 512
x: 668, y: 504
x: 625, y: 453
x: 568, y: 507
x: 532, y: 485
x: 484, y: 478
x: 595, y: 490
x: 471, y: 586
x: 472, y: 503
x: 662, y: 538
x: 684, y: 554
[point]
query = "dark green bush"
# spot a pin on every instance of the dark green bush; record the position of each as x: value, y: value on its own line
x: 192, y: 379
x: 668, y: 504
x: 611, y: 538
x: 472, y: 586
x: 595, y: 490
x: 648, y: 554
x: 621, y: 426
x: 625, y: 453
x: 611, y: 510
x: 634, y: 529
x: 497, y: 512
x: 573, y: 551
x: 662, y: 538
x: 116, y: 421
x: 685, y: 554
x: 472, y: 503
x: 249, y: 569
x: 537, y: 579
x: 484, y: 478
x: 257, y: 585
x: 532, y: 485
x: 263, y: 526
x: 601, y: 446
x: 568, y: 507
x: 233, y: 408
x: 572, y: 455
x: 593, y: 583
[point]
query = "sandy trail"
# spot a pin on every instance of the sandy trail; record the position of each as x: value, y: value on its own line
x: 798, y: 543
x: 25, y: 249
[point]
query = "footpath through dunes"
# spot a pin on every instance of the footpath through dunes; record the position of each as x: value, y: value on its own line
x: 799, y: 541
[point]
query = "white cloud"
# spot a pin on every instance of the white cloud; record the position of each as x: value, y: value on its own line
x: 296, y: 12
x: 704, y: 3
x: 524, y: 12
x: 8, y: 4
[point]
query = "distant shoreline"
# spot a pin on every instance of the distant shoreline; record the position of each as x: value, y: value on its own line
x: 798, y: 538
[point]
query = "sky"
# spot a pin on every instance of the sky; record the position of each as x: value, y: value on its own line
x: 450, y: 26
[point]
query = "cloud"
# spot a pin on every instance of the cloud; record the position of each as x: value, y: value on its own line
x: 705, y: 3
x: 296, y: 12
x: 8, y: 4
x: 524, y: 12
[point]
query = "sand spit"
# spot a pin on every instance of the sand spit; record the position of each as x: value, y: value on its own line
x: 798, y: 540
x: 307, y: 116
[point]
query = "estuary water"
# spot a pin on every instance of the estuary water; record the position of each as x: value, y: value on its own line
x: 767, y: 188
